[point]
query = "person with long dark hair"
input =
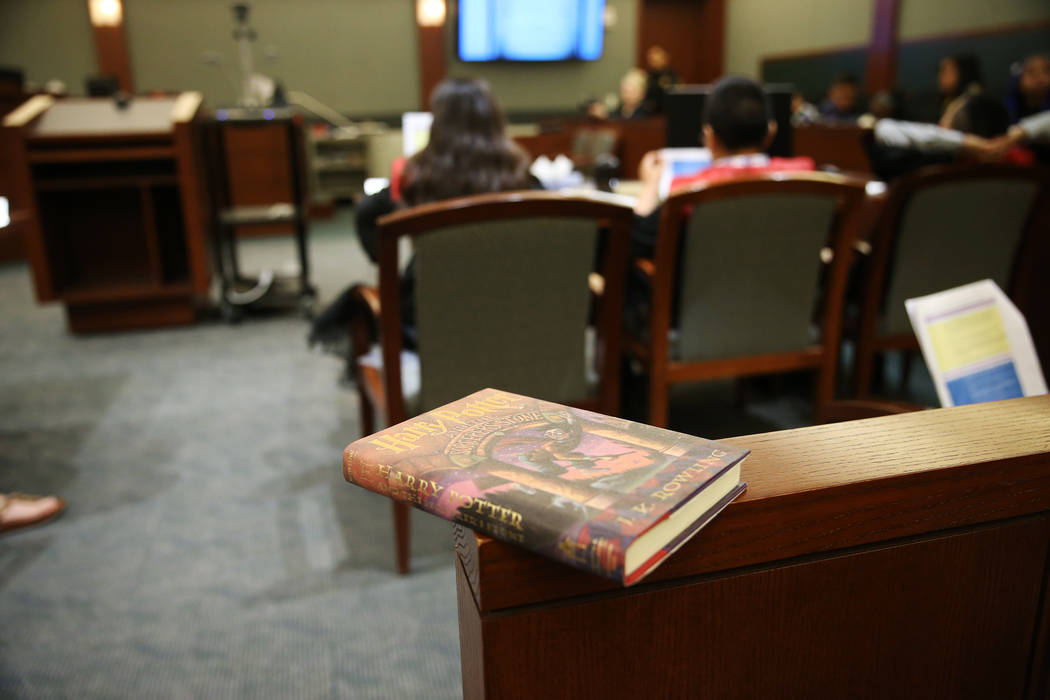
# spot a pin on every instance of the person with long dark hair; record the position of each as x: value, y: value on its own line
x: 958, y: 79
x: 468, y: 152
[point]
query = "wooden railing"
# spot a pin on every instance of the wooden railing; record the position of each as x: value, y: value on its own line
x: 902, y: 556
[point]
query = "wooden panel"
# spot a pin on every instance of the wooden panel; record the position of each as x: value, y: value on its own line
x: 470, y: 641
x: 882, y: 49
x: 195, y: 203
x: 636, y: 138
x: 23, y: 201
x: 137, y: 313
x: 692, y: 31
x: 825, y: 488
x: 943, y: 617
x: 102, y: 214
x: 431, y: 62
x: 834, y: 144
x: 111, y: 49
x: 257, y: 160
x: 903, y: 557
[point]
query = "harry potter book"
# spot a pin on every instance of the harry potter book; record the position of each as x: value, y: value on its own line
x: 607, y: 495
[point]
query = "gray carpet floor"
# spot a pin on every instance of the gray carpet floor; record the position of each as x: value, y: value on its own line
x: 211, y: 547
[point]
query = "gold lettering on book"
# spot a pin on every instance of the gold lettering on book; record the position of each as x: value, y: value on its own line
x: 475, y: 409
x: 668, y: 489
x: 494, y: 511
x: 439, y: 421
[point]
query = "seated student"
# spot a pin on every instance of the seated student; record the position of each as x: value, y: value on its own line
x: 660, y: 78
x: 958, y: 79
x: 737, y: 129
x: 803, y: 112
x: 1029, y: 92
x: 632, y: 97
x: 1027, y: 97
x: 468, y: 153
x: 978, y: 122
x: 842, y: 104
x: 1031, y: 134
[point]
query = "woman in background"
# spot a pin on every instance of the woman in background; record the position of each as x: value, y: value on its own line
x: 958, y: 79
x: 468, y: 152
x: 1029, y: 91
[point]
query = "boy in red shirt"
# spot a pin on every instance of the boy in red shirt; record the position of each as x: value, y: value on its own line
x: 737, y: 129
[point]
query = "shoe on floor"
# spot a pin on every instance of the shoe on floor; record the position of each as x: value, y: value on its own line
x: 18, y: 510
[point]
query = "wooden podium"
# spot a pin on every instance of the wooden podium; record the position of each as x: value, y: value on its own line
x: 115, y: 224
x: 895, y: 557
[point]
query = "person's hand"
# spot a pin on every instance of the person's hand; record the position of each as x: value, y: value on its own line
x: 651, y: 167
x: 986, y: 150
x: 597, y: 110
x: 649, y: 172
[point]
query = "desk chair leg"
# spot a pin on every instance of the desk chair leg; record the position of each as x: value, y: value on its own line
x: 658, y: 398
x: 863, y: 369
x: 402, y: 536
x: 907, y: 362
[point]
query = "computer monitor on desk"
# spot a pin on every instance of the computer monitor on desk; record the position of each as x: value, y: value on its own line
x: 684, y: 107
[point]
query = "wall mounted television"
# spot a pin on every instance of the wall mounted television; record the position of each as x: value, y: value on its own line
x: 531, y: 30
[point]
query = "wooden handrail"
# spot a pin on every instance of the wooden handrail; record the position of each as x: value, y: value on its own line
x: 823, y: 489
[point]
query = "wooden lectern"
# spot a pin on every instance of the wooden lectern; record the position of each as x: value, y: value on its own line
x: 115, y: 228
x: 895, y: 557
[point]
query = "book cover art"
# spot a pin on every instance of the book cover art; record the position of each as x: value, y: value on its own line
x: 568, y: 483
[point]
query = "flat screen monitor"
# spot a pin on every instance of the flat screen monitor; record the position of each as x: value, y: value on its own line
x: 684, y: 107
x: 531, y: 30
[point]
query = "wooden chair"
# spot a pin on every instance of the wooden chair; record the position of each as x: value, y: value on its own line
x: 940, y: 228
x: 503, y: 298
x: 748, y: 281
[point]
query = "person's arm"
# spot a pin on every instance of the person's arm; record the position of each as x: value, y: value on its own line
x: 649, y: 172
x: 1033, y: 129
x: 924, y: 138
x: 930, y: 139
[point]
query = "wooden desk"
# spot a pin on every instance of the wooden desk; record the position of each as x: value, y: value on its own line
x: 904, y: 557
x: 636, y: 137
x: 115, y: 228
x: 831, y: 144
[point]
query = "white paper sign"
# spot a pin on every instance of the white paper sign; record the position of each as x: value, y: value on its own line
x: 415, y: 132
x: 976, y: 345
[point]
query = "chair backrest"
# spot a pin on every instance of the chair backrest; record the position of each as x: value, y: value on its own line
x: 750, y: 270
x: 947, y: 226
x: 502, y: 296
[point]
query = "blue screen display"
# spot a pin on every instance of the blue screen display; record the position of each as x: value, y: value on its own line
x: 530, y: 30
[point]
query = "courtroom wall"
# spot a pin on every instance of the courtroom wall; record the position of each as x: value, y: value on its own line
x: 359, y: 56
x: 922, y: 17
x: 757, y: 28
x: 48, y: 39
x: 558, y: 86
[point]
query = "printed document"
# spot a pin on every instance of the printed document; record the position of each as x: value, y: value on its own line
x: 976, y: 345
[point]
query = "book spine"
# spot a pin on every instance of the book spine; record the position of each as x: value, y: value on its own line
x: 600, y: 555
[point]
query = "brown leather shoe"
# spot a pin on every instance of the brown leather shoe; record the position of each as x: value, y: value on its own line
x: 18, y: 510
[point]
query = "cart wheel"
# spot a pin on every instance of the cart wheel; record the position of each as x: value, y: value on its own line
x: 230, y: 313
x: 308, y: 306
